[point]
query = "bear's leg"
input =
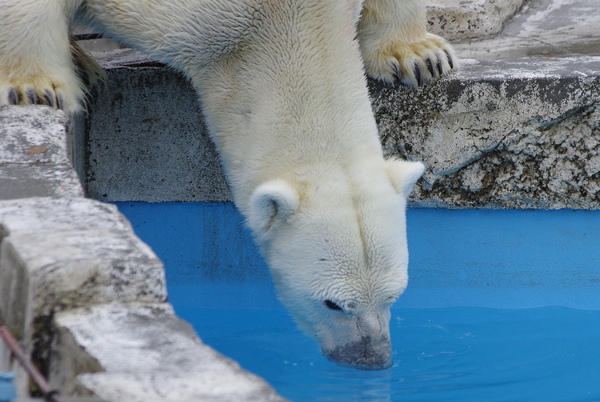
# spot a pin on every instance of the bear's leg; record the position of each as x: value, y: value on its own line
x: 396, y: 47
x: 36, y: 64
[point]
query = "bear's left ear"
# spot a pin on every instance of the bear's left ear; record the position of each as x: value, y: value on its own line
x: 274, y: 200
x: 404, y: 174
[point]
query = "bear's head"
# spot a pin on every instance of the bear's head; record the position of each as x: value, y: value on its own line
x: 338, y: 255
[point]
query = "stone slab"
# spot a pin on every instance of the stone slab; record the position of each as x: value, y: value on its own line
x: 43, y: 215
x: 81, y: 268
x: 457, y: 126
x: 43, y: 180
x: 469, y: 19
x: 542, y: 28
x: 58, y: 254
x: 524, y: 135
x: 145, y: 353
x: 32, y: 135
x: 35, y: 156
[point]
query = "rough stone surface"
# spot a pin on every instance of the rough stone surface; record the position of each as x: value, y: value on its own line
x: 459, y: 127
x: 542, y: 28
x: 145, y: 353
x: 469, y: 19
x: 525, y: 135
x: 34, y: 155
x: 58, y: 254
x: 80, y: 268
x: 32, y: 135
x: 44, y: 180
x: 147, y: 140
x: 57, y: 215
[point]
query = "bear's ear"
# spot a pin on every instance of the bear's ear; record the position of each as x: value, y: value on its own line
x: 271, y: 201
x: 404, y: 174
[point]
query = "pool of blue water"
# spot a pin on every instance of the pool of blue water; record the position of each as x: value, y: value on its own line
x: 501, y: 305
x: 441, y: 354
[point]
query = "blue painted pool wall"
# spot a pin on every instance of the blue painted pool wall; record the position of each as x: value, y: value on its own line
x: 487, y: 258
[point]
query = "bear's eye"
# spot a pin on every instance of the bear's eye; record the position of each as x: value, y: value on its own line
x: 332, y: 305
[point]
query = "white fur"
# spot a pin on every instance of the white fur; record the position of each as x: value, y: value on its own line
x: 284, y: 94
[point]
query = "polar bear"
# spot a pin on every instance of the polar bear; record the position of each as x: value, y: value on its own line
x: 283, y: 90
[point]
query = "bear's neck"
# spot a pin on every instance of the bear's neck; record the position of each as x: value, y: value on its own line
x: 292, y: 97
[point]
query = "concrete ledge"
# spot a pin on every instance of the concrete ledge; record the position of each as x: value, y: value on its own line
x: 469, y: 19
x: 145, y: 353
x: 34, y: 154
x: 509, y: 134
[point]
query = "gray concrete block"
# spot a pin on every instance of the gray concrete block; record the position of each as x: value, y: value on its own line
x: 457, y: 126
x: 469, y: 19
x: 145, y: 353
x: 34, y: 154
x: 42, y: 273
x: 516, y: 134
x: 58, y: 215
x: 32, y: 135
x: 44, y: 180
x: 147, y: 140
x: 58, y: 254
x: 542, y: 28
x: 81, y: 268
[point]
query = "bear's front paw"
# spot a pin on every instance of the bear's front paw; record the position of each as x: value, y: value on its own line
x: 42, y: 90
x: 413, y: 64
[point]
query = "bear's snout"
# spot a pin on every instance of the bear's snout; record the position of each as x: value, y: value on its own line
x: 367, y: 353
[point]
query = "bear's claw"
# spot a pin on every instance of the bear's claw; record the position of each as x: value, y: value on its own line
x: 418, y: 75
x: 31, y: 96
x: 413, y: 64
x: 13, y: 97
x: 37, y: 92
x: 449, y: 59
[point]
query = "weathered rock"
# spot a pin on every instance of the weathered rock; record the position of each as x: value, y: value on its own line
x: 58, y: 254
x: 542, y: 28
x: 32, y: 134
x: 34, y: 154
x: 145, y: 353
x: 57, y: 215
x: 469, y: 19
x: 524, y: 135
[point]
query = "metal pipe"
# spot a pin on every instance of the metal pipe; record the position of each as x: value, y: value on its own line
x: 50, y: 395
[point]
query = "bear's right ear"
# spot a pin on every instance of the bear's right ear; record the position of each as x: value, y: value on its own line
x: 274, y: 200
x: 404, y: 174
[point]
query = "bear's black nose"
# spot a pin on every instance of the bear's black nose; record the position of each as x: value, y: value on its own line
x: 365, y: 354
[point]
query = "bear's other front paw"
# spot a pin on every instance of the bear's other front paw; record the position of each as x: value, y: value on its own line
x: 60, y: 94
x: 414, y: 64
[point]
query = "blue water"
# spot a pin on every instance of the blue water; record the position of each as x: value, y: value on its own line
x: 445, y: 354
x: 511, y: 264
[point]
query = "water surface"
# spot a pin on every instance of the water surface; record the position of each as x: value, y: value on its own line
x: 442, y: 354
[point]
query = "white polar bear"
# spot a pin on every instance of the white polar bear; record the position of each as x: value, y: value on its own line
x: 284, y: 95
